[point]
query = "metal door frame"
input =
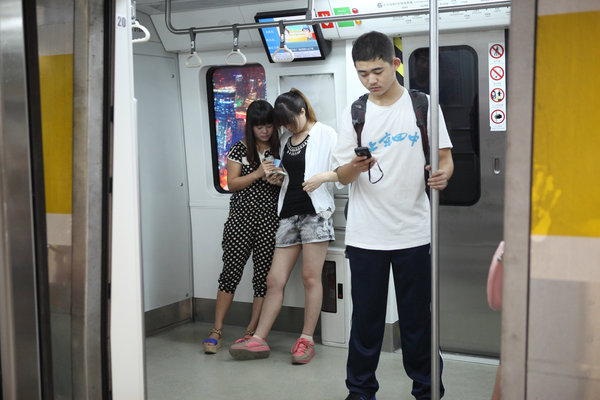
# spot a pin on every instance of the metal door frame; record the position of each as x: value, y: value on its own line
x: 24, y: 318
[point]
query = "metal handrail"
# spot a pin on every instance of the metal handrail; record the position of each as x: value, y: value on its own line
x: 434, y: 197
x: 335, y: 18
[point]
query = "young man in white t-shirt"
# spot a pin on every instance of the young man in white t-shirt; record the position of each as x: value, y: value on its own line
x: 388, y: 220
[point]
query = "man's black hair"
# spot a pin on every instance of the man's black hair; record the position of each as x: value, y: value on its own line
x: 372, y: 46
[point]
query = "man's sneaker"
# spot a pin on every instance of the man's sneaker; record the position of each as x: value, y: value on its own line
x: 250, y: 349
x: 303, y: 351
x: 359, y: 396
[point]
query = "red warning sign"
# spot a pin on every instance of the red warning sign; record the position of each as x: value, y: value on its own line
x: 497, y: 95
x: 325, y: 14
x: 497, y: 73
x: 497, y: 50
x: 498, y: 116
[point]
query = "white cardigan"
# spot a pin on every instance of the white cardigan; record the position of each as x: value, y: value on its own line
x: 319, y: 149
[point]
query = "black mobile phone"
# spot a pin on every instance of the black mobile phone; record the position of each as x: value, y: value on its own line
x: 362, y: 151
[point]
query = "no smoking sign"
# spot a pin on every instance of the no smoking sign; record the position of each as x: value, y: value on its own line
x: 497, y: 73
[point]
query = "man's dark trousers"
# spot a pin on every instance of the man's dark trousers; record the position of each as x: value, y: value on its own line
x: 370, y: 271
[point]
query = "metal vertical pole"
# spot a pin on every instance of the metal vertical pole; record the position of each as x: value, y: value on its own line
x: 434, y: 195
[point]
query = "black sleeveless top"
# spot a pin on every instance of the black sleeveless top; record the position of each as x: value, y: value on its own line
x: 296, y: 200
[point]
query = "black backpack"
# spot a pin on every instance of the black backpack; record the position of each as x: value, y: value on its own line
x: 420, y: 105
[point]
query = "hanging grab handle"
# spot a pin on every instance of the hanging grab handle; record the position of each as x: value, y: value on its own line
x: 136, y: 25
x: 230, y: 59
x: 282, y: 54
x: 193, y: 60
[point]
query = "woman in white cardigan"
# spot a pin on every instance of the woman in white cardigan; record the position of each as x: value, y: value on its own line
x: 305, y: 210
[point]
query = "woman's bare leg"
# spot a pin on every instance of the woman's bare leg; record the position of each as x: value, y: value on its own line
x: 313, y: 257
x: 256, y: 309
x: 284, y: 259
x: 224, y: 301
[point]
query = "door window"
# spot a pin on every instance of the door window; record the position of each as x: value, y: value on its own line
x: 459, y: 100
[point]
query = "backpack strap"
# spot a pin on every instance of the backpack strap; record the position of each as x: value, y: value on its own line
x: 420, y: 106
x: 358, y: 111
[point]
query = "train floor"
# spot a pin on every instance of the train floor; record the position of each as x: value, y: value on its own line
x: 178, y: 369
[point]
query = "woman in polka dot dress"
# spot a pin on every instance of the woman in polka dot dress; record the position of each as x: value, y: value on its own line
x: 305, y: 208
x: 252, y: 222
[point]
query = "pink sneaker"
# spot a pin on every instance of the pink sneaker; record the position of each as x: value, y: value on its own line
x: 249, y: 349
x: 303, y: 351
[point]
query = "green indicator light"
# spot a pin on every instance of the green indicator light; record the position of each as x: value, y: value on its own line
x: 343, y: 11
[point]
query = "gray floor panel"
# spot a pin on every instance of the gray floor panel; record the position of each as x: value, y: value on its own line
x: 178, y: 369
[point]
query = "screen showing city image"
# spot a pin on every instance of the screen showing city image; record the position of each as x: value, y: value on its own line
x: 305, y: 41
x: 231, y: 90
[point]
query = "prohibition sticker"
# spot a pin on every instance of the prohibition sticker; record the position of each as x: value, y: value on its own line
x: 498, y: 116
x: 497, y: 84
x: 497, y: 73
x: 326, y: 25
x: 497, y: 50
x: 497, y: 95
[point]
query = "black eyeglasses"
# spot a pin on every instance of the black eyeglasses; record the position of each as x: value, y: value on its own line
x: 381, y: 177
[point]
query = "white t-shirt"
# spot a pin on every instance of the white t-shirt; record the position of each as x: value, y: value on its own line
x: 394, y: 212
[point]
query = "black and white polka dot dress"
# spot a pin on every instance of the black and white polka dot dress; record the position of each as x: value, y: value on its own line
x: 250, y: 227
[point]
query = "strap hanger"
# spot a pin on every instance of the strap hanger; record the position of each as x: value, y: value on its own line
x: 136, y: 25
x: 283, y: 53
x: 230, y: 59
x: 193, y: 60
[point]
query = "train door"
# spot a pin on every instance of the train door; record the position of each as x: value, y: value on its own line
x: 25, y: 345
x: 471, y: 212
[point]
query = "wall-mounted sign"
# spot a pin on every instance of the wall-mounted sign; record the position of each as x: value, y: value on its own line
x: 497, y: 85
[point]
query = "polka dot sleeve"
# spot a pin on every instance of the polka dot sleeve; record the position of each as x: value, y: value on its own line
x: 237, y: 152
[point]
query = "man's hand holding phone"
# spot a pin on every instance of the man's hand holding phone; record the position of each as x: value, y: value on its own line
x: 363, y: 160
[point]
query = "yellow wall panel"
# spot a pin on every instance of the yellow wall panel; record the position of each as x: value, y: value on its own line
x: 56, y: 86
x: 566, y: 185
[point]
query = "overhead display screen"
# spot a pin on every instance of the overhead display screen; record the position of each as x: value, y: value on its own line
x: 304, y: 41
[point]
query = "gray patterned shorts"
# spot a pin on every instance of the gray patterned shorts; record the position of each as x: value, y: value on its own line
x: 302, y: 229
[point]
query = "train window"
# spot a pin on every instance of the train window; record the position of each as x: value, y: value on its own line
x: 459, y: 100
x: 230, y: 92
